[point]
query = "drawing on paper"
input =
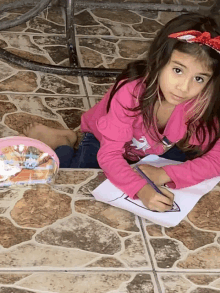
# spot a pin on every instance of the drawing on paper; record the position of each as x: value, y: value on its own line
x: 139, y: 204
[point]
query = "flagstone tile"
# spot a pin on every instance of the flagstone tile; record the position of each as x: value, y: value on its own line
x: 97, y: 87
x: 193, y: 283
x: 51, y: 20
x: 24, y: 81
x: 193, y: 244
x: 129, y: 282
x: 44, y: 221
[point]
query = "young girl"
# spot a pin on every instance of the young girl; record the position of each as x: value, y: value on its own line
x: 166, y: 105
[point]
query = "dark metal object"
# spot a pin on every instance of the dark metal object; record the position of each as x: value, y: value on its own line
x: 138, y: 6
x: 61, y: 70
x: 25, y: 17
x: 70, y: 32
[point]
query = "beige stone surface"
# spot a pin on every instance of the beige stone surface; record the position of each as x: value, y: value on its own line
x: 59, y: 238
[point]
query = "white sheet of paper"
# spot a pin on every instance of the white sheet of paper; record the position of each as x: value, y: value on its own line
x: 186, y: 198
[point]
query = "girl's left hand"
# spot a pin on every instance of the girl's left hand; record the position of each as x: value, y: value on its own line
x: 157, y: 175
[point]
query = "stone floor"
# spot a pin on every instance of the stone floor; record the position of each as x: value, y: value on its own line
x: 59, y: 239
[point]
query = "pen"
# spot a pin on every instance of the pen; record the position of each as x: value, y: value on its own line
x: 148, y: 180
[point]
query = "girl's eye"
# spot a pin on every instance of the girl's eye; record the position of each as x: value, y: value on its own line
x: 177, y: 70
x: 199, y: 79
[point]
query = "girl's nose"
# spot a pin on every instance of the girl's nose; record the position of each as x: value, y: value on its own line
x: 183, y: 85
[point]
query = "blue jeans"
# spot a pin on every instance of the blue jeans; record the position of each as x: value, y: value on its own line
x: 86, y: 155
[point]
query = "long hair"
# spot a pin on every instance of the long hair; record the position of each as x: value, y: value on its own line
x: 206, y: 110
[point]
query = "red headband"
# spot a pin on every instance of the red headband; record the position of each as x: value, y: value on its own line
x: 198, y: 37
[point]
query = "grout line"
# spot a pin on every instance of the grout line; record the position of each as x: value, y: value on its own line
x: 86, y: 92
x: 150, y: 256
x: 75, y: 271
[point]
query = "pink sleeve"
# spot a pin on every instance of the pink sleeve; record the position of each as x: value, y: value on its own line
x: 116, y: 129
x: 193, y: 172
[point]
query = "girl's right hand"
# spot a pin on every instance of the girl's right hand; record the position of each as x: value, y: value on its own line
x: 155, y: 201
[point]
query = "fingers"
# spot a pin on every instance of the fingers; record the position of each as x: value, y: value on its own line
x: 166, y: 192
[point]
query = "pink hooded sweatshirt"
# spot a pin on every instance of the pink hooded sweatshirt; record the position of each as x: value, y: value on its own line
x: 123, y: 137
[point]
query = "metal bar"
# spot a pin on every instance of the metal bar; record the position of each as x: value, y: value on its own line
x: 140, y: 6
x: 61, y: 70
x: 70, y: 34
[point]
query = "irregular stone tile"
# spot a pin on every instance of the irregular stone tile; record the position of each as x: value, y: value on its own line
x: 141, y: 283
x: 81, y: 233
x: 33, y: 105
x: 206, y: 258
x: 72, y: 117
x: 92, y: 184
x: 43, y: 91
x: 5, y: 71
x: 55, y: 15
x: 29, y: 56
x: 46, y: 26
x: 123, y: 234
x: 22, y: 42
x: 32, y: 255
x: 208, y: 3
x: 148, y: 26
x: 189, y: 236
x: 3, y: 97
x: 119, y: 63
x: 73, y: 177
x: 101, y: 80
x: 98, y: 45
x: 8, y: 198
x: 18, y: 121
x: 6, y: 107
x: 167, y: 16
x: 68, y: 190
x: 202, y: 279
x: 125, y: 16
x: 85, y: 18
x: 81, y: 282
x: 99, y: 89
x: 5, y: 131
x: 10, y: 278
x: 90, y: 57
x: 166, y: 252
x: 205, y: 290
x: 14, y: 290
x: 20, y: 82
x: 149, y: 14
x: 41, y: 206
x: 11, y: 235
x: 111, y: 216
x: 17, y: 28
x: 50, y: 40
x: 205, y: 215
x: 94, y: 30
x: 57, y: 53
x: 58, y: 85
x: 3, y: 44
x: 106, y: 262
x: 111, y: 39
x: 64, y: 102
x: 73, y: 79
x: 133, y: 49
x: 120, y: 30
x: 175, y: 283
x: 134, y: 254
x: 154, y: 230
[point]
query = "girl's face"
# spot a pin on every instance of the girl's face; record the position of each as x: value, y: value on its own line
x: 183, y: 78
